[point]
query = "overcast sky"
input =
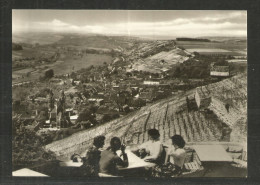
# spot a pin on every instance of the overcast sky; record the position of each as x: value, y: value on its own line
x: 176, y: 23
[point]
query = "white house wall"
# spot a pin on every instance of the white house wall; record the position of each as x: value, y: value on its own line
x: 216, y: 73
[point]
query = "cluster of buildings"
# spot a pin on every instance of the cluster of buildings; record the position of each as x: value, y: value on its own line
x: 114, y: 90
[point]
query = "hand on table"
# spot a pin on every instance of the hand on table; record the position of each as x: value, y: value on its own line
x: 147, y: 159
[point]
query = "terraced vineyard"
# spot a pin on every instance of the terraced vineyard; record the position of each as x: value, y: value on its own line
x: 171, y: 116
x: 150, y: 55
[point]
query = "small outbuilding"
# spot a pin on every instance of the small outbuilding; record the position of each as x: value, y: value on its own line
x: 220, y: 71
x: 202, y: 97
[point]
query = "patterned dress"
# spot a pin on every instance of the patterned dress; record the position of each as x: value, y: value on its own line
x: 90, y: 165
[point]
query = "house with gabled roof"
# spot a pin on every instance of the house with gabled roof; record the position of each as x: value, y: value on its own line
x: 202, y: 97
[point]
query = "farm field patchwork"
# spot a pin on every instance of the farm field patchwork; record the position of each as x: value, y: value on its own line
x: 205, y: 50
x: 79, y: 63
x: 64, y: 66
x: 40, y: 38
x: 229, y: 48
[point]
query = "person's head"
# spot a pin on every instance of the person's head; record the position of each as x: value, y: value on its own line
x: 154, y: 134
x: 99, y: 141
x: 115, y: 143
x: 76, y: 158
x: 178, y: 141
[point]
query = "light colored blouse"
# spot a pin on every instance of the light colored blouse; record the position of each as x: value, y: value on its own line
x: 153, y: 148
x: 178, y: 155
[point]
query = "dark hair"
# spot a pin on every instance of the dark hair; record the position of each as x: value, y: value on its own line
x: 114, y: 142
x: 99, y: 141
x: 75, y: 157
x: 154, y: 133
x: 178, y: 140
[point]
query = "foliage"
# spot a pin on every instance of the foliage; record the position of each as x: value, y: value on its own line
x: 27, y: 147
x: 221, y: 63
x: 49, y: 74
x: 87, y: 114
x: 197, y: 67
x: 16, y: 47
x: 109, y: 117
x: 43, y: 92
x: 20, y: 93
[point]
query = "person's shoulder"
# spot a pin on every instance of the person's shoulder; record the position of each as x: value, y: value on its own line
x: 105, y: 152
x: 181, y: 151
x: 145, y: 144
x: 170, y: 149
x: 92, y: 149
x: 158, y: 143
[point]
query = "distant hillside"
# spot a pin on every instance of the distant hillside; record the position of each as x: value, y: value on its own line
x: 34, y: 37
x: 16, y: 46
x: 225, y: 39
x: 157, y: 56
x: 171, y: 116
x: 192, y: 39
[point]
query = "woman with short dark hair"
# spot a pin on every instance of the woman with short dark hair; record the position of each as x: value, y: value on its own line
x: 99, y: 141
x: 91, y: 161
x: 177, y: 153
x: 178, y: 141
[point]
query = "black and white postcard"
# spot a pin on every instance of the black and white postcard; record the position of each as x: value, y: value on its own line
x: 129, y: 93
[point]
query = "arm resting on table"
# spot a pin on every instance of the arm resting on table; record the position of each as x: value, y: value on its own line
x: 157, y: 154
x: 122, y: 163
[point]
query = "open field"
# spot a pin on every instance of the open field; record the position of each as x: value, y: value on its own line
x: 33, y: 38
x: 77, y: 41
x: 205, y: 50
x: 228, y: 48
x: 238, y: 61
x: 64, y: 66
x: 65, y: 48
x: 92, y: 41
x: 79, y: 63
x: 32, y: 52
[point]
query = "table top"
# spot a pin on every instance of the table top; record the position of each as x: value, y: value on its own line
x: 25, y: 172
x: 212, y: 153
x: 70, y: 164
x: 134, y: 161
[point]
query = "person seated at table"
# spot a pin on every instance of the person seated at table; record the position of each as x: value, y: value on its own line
x: 91, y: 160
x: 176, y: 151
x: 110, y: 162
x: 151, y: 151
